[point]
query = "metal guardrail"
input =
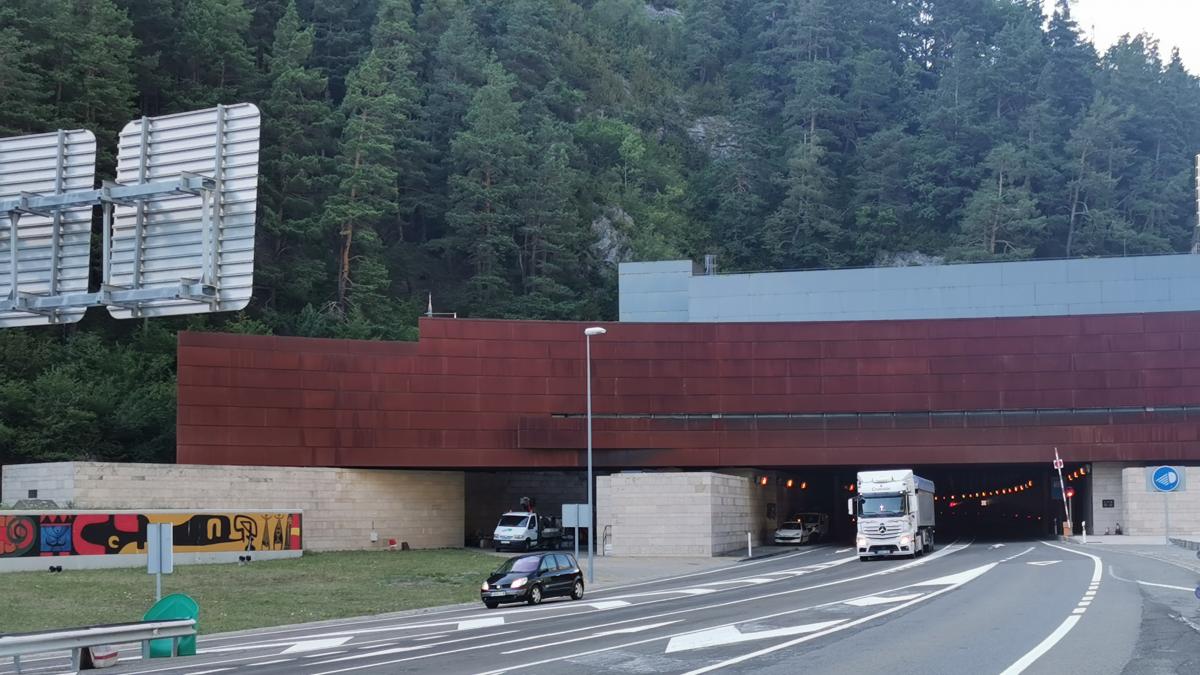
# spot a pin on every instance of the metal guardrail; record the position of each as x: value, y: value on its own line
x: 17, y: 645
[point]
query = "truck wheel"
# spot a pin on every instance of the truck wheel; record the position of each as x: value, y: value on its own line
x: 535, y: 595
x: 491, y: 604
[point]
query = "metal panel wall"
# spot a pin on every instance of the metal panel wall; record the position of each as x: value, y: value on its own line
x: 47, y: 264
x: 490, y: 394
x: 159, y: 243
x: 1167, y: 283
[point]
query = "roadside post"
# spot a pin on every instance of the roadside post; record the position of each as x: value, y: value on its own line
x: 1166, y: 479
x: 160, y: 553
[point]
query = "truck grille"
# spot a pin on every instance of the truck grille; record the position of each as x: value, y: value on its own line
x: 871, y: 531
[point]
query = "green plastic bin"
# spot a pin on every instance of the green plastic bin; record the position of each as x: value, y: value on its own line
x: 174, y: 606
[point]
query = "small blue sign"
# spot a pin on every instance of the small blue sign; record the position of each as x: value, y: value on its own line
x: 1165, y: 479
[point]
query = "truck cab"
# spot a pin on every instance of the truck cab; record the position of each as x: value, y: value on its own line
x: 894, y: 512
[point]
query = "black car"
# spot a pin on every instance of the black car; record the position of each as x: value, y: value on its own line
x: 530, y: 578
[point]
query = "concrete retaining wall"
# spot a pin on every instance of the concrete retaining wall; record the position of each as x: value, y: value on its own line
x: 681, y: 514
x: 341, y: 506
x: 1144, y: 509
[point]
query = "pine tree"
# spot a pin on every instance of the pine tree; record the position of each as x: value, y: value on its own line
x: 491, y: 172
x: 26, y: 105
x: 1001, y: 218
x: 296, y: 168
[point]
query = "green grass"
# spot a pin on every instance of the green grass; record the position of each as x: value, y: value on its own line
x: 264, y: 593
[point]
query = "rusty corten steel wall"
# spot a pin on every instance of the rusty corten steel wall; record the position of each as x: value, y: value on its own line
x: 481, y: 393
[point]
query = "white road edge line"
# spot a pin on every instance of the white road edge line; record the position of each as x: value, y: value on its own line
x: 1063, y: 628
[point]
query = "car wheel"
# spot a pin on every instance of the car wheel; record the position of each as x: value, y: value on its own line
x: 535, y: 595
x: 491, y: 604
x: 528, y: 545
x: 577, y: 591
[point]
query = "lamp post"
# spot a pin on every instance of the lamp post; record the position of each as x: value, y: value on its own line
x: 587, y: 338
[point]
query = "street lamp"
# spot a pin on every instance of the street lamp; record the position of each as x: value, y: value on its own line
x: 587, y: 338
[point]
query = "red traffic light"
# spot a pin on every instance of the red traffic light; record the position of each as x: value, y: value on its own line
x: 1070, y: 492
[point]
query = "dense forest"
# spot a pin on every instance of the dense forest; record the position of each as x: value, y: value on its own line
x: 505, y: 155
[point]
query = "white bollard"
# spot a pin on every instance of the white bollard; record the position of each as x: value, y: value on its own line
x: 749, y: 547
x: 1085, y: 531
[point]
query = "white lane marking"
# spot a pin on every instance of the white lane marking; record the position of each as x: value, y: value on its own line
x: 322, y: 655
x: 481, y: 623
x: 750, y: 580
x: 880, y: 600
x: 271, y: 663
x: 609, y: 604
x: 618, y: 631
x: 401, y: 650
x: 1042, y: 563
x: 948, y: 550
x: 959, y: 580
x: 996, y: 546
x: 316, y: 645
x: 1177, y: 588
x: 1016, y: 555
x: 206, y: 672
x: 729, y: 635
x: 727, y: 568
x: 843, y: 550
x: 1063, y: 628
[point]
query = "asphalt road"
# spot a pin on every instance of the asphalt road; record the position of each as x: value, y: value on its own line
x: 978, y: 607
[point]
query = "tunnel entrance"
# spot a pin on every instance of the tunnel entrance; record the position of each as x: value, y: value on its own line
x: 991, y: 502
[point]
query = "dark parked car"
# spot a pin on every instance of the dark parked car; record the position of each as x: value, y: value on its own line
x: 529, y: 578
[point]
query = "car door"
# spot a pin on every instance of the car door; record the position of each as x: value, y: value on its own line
x: 547, y: 571
x: 566, y: 572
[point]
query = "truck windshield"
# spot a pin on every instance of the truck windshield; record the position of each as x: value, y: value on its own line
x: 880, y: 506
x: 512, y: 521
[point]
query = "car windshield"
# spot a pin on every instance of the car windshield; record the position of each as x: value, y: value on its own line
x: 528, y: 563
x: 793, y: 525
x: 879, y: 506
x: 513, y: 521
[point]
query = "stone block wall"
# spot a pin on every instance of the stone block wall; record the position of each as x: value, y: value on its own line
x: 1106, y: 484
x: 1143, y: 511
x: 341, y: 506
x: 678, y: 514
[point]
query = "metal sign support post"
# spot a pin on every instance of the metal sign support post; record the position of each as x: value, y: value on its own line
x: 1058, y: 466
x: 160, y: 553
x: 576, y: 532
x: 1166, y: 518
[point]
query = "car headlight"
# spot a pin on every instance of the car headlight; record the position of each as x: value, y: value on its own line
x: 861, y: 540
x: 904, y: 540
x: 519, y: 582
x: 484, y: 587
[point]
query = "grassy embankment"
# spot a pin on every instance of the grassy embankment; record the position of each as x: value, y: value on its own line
x: 264, y: 593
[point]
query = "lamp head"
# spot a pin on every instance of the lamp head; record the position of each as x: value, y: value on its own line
x: 594, y: 330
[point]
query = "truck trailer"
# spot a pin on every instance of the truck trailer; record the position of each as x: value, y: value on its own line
x: 894, y: 511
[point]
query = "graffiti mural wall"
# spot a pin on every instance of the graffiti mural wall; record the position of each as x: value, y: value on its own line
x: 59, y: 533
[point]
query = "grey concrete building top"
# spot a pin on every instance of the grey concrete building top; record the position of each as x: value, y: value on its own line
x: 678, y: 291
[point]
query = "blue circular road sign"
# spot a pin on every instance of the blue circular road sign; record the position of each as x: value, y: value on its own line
x: 1165, y: 479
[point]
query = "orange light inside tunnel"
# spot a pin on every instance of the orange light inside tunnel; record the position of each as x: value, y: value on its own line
x: 790, y: 482
x: 803, y: 485
x: 762, y: 480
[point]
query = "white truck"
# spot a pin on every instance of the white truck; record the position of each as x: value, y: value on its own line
x: 526, y: 530
x: 894, y: 511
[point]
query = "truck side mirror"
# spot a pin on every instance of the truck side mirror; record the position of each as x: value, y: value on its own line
x: 850, y: 505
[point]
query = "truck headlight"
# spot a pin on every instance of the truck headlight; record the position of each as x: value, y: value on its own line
x: 861, y: 541
x: 520, y: 582
x: 904, y: 540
